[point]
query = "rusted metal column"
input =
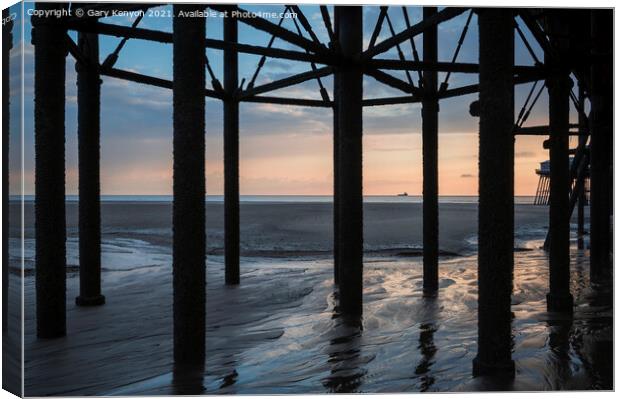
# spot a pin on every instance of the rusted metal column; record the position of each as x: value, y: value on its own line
x: 336, y: 157
x: 350, y: 129
x: 231, y: 155
x: 430, y: 125
x: 601, y: 119
x: 582, y: 143
x: 7, y: 44
x: 50, y: 52
x: 559, y: 84
x: 496, y: 192
x: 188, y: 214
x: 89, y: 108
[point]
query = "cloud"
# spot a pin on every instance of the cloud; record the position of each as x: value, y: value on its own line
x: 137, y: 119
x: 525, y: 154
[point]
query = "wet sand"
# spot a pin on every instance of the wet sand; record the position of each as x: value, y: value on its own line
x: 300, y: 228
x: 280, y: 330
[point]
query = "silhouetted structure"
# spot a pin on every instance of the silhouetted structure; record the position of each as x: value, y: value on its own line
x: 231, y: 154
x: 559, y: 85
x: 601, y: 125
x: 496, y: 192
x: 583, y: 196
x: 89, y: 107
x: 188, y: 212
x: 430, y: 135
x: 49, y: 39
x: 542, y: 191
x: 349, y: 100
x: 336, y: 152
x: 349, y: 61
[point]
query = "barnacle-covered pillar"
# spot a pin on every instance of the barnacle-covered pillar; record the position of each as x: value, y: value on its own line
x: 349, y: 110
x: 231, y: 155
x: 89, y: 108
x: 50, y: 51
x: 430, y: 125
x: 188, y: 214
x: 601, y: 128
x: 496, y: 192
x: 336, y: 160
x: 559, y: 83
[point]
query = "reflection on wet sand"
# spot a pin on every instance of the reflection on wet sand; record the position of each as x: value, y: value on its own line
x: 344, y: 351
x: 188, y: 380
x: 427, y: 349
x: 426, y: 343
x: 281, y: 332
x: 559, y: 347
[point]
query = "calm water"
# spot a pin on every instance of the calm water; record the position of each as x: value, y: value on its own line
x: 414, y: 199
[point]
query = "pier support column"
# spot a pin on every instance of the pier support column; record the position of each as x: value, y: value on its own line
x: 188, y: 214
x: 7, y: 45
x: 601, y: 130
x: 350, y: 144
x: 559, y: 298
x: 430, y: 125
x: 89, y: 101
x: 583, y: 139
x: 50, y: 225
x: 336, y: 160
x: 496, y: 192
x: 231, y: 155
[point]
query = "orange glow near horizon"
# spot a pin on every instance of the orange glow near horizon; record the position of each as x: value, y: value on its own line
x: 296, y: 164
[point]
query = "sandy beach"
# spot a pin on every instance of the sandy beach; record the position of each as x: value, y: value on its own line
x: 280, y: 331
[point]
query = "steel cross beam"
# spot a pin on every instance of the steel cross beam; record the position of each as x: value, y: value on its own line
x: 470, y: 89
x: 124, y: 32
x: 269, y: 27
x: 542, y: 130
x: 392, y: 81
x: 442, y: 16
x: 541, y: 38
x: 167, y: 84
x: 378, y: 26
x: 372, y: 67
x: 289, y: 101
x: 148, y: 80
x: 286, y: 82
x: 127, y: 32
x: 455, y: 67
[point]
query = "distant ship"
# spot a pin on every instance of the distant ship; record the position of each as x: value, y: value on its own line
x: 403, y: 194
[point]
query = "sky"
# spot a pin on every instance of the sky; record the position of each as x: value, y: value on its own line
x: 284, y: 150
